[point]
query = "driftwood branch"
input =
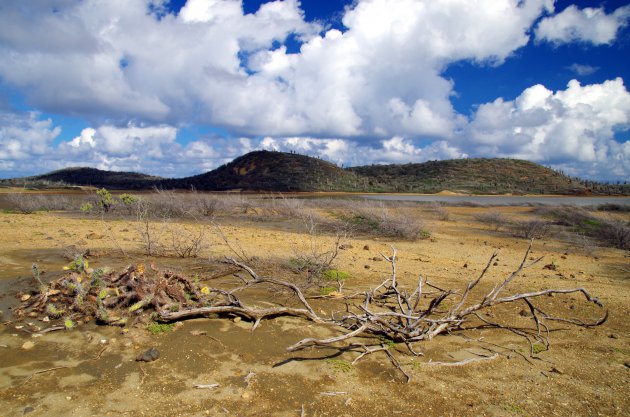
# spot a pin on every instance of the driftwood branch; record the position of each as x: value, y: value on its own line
x: 388, y: 315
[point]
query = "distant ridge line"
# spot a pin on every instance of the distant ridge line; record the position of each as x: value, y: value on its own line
x: 272, y: 171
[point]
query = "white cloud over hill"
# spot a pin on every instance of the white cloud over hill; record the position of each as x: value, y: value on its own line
x: 372, y: 93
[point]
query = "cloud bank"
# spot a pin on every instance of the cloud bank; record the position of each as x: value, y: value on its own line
x: 372, y: 93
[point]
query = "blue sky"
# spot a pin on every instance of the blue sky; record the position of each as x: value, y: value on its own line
x: 180, y: 87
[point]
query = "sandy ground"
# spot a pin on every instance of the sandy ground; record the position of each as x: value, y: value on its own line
x: 584, y: 373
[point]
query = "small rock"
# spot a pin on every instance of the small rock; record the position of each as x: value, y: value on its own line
x: 627, y: 364
x: 613, y: 336
x: 94, y: 236
x: 46, y: 319
x: 556, y: 371
x: 25, y: 297
x: 246, y: 395
x: 465, y: 265
x: 149, y: 356
x: 28, y: 409
x: 563, y: 257
x: 68, y: 398
x: 237, y: 319
x: 377, y: 259
x: 495, y: 264
x: 345, y: 246
x: 28, y: 345
x: 524, y: 313
x: 198, y: 332
x: 103, y: 341
x: 32, y: 314
x: 551, y: 267
x: 366, y: 247
x: 179, y: 325
x: 366, y: 266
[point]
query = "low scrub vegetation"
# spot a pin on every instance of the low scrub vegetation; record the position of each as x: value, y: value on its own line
x: 25, y: 202
x: 376, y: 219
x: 607, y: 230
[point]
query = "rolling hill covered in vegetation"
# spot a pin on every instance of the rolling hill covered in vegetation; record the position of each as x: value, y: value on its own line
x: 290, y: 172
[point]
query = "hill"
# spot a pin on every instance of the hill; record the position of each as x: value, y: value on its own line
x: 475, y: 175
x: 290, y: 172
x: 274, y: 171
x: 88, y: 177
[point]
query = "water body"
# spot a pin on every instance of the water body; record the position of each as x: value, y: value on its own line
x: 503, y: 200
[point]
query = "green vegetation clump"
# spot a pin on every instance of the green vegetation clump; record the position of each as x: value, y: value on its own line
x: 105, y: 200
x: 340, y: 365
x: 327, y: 290
x: 87, y: 207
x: 158, y: 328
x: 538, y: 348
x: 335, y: 275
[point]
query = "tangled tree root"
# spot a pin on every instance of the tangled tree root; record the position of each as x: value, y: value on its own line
x: 372, y: 321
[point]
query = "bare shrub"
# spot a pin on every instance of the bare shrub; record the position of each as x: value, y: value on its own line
x: 185, y: 241
x: 492, y: 218
x: 316, y: 257
x: 168, y: 204
x: 614, y: 207
x: 208, y: 205
x: 288, y: 207
x: 611, y: 231
x: 614, y: 232
x: 439, y: 211
x: 28, y: 203
x: 530, y: 229
x: 376, y: 219
x: 149, y: 230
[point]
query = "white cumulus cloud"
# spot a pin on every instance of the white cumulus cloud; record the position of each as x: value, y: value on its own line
x: 572, y: 127
x: 24, y: 136
x: 591, y: 25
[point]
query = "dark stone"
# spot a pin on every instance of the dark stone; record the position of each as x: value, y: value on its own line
x: 366, y: 247
x: 345, y: 246
x: 28, y: 409
x: 149, y: 356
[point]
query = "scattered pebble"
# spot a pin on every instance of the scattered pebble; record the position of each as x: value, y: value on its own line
x: 613, y: 336
x: 366, y: 247
x: 148, y: 356
x: 178, y: 325
x: 345, y: 246
x: 28, y: 345
x: 25, y: 297
x: 28, y: 409
x: 627, y: 364
x: 237, y: 319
